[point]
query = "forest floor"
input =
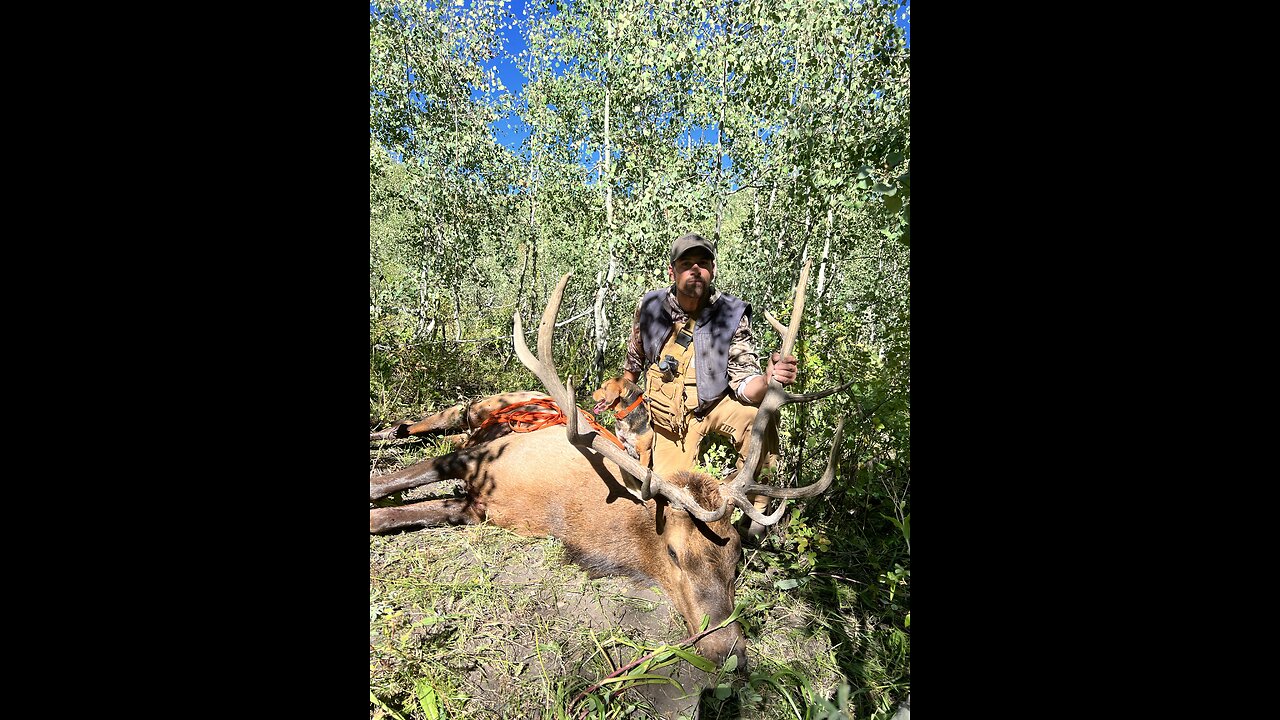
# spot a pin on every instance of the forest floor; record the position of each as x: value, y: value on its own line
x: 478, y: 622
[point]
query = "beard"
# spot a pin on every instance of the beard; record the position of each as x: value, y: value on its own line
x: 693, y: 288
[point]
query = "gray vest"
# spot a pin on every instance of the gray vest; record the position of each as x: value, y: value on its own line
x: 711, y: 339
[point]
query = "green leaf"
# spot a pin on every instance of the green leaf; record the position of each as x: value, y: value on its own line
x: 427, y: 699
x: 730, y: 664
x: 723, y: 691
x: 695, y: 660
x: 377, y: 701
x: 786, y: 584
x: 903, y: 525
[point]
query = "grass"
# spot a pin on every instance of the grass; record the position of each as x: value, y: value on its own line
x: 497, y: 624
x: 477, y: 622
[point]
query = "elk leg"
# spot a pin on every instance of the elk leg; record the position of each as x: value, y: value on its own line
x: 451, y: 419
x: 458, y: 417
x: 451, y: 511
x: 446, y: 467
x: 392, y: 433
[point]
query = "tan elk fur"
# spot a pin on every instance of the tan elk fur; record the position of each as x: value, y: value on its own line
x: 538, y: 484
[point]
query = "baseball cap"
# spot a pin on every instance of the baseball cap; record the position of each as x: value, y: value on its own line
x: 690, y: 242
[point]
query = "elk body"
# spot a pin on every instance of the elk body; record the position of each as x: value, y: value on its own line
x: 674, y: 531
x: 538, y: 484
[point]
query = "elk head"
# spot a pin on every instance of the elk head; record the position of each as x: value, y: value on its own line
x: 696, y: 547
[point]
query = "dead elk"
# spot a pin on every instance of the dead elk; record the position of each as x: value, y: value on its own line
x: 674, y: 531
x: 461, y: 417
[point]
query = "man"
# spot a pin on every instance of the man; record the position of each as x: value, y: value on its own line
x: 693, y: 344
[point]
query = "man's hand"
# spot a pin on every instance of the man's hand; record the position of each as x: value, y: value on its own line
x: 783, y: 370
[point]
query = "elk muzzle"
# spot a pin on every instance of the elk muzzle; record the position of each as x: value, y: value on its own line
x: 719, y: 644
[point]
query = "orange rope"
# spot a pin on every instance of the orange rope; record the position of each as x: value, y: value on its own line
x: 545, y: 413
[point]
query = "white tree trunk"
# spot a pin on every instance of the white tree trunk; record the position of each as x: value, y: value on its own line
x: 605, y: 175
x: 721, y: 193
x: 604, y: 279
x: 826, y: 250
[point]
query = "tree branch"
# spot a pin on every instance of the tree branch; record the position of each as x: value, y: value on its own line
x: 687, y: 641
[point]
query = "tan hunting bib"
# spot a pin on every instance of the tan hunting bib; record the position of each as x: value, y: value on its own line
x: 673, y: 395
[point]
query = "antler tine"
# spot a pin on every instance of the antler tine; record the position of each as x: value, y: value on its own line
x: 751, y: 488
x: 797, y: 309
x: 743, y: 484
x: 738, y: 492
x: 782, y: 329
x: 571, y: 418
x: 546, y: 328
x: 773, y: 398
x: 544, y: 368
x: 749, y: 509
x: 810, y: 397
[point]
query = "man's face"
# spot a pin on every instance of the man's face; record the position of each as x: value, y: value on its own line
x: 692, y: 274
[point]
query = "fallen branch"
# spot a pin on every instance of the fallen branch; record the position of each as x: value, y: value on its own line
x: 687, y: 641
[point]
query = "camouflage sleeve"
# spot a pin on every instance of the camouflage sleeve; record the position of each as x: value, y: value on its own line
x: 743, y: 362
x: 635, y: 348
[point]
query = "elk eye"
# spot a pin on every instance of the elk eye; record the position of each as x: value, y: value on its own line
x: 672, y: 553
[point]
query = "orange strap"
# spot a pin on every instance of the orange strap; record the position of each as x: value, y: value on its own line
x: 623, y: 413
x: 545, y: 413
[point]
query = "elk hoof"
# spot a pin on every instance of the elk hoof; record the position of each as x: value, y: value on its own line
x: 399, y: 431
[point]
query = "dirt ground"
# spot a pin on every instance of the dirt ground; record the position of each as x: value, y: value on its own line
x: 502, y: 626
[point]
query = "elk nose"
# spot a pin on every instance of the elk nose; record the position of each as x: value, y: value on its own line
x: 720, y: 645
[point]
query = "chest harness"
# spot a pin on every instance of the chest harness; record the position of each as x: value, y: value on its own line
x: 671, y: 384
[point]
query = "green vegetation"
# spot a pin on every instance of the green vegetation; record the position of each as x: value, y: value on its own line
x: 781, y: 131
x: 484, y: 623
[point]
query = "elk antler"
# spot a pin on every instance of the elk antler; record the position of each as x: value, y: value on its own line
x: 775, y: 397
x: 543, y: 367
